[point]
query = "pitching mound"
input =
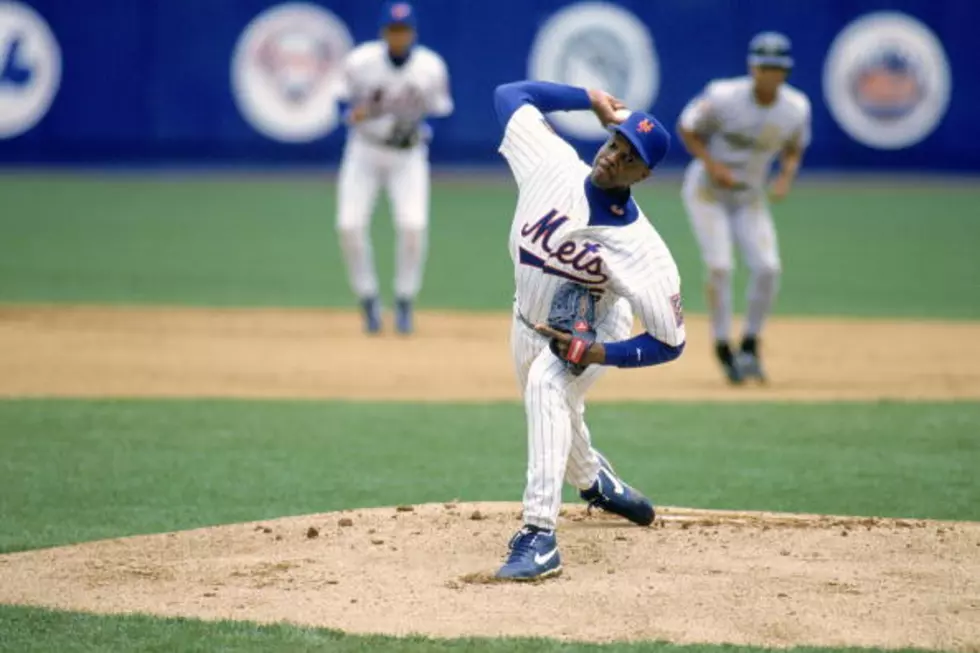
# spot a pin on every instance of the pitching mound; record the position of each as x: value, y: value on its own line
x: 696, y: 576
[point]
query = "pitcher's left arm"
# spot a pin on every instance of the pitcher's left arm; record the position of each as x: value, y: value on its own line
x: 657, y: 302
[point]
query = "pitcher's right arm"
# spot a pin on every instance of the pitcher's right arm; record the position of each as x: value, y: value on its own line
x: 529, y: 141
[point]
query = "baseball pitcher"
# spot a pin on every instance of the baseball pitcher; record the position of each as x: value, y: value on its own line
x: 586, y: 260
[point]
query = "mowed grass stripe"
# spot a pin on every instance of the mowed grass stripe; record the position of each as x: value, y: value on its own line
x: 34, y: 630
x: 219, y: 240
x: 77, y: 470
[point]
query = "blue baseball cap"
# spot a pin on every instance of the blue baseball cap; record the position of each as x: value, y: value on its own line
x: 397, y: 13
x: 647, y: 135
x: 771, y: 49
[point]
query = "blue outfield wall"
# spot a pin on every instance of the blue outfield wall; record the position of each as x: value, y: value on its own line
x: 151, y: 81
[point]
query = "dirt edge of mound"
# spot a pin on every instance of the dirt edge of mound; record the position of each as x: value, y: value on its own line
x: 696, y: 576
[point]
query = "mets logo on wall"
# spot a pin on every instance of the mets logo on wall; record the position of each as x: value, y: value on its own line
x: 596, y: 45
x: 285, y: 70
x: 887, y: 80
x: 30, y: 68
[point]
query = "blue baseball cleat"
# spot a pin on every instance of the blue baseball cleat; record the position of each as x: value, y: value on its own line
x: 403, y: 316
x: 613, y: 495
x: 371, y: 308
x: 533, y: 556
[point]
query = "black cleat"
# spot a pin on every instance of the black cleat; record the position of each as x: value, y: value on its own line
x: 728, y: 363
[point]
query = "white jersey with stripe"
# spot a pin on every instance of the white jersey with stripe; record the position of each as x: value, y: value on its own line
x: 552, y: 241
x: 743, y: 134
x: 398, y: 97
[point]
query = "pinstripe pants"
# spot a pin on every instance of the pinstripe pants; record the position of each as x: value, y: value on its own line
x: 559, y: 446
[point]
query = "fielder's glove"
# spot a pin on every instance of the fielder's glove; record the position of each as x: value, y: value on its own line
x: 404, y: 134
x: 573, y: 312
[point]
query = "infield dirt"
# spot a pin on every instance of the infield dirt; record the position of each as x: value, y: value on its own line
x: 157, y: 352
x: 696, y: 576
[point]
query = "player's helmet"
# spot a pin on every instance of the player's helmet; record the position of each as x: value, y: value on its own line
x: 771, y: 49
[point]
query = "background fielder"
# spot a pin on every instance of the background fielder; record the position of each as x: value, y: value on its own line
x: 735, y: 129
x: 580, y: 225
x: 392, y: 85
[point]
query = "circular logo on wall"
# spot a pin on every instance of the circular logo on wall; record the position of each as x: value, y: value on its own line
x: 596, y: 45
x: 30, y: 68
x: 285, y: 69
x: 887, y: 80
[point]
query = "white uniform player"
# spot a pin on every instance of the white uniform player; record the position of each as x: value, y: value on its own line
x: 735, y: 129
x: 579, y: 224
x: 392, y: 86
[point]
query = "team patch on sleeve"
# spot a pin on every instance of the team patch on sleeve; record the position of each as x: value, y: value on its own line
x: 676, y: 304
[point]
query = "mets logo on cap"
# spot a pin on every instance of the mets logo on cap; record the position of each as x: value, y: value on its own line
x: 285, y: 69
x: 400, y: 11
x: 596, y: 45
x: 30, y: 68
x: 887, y: 80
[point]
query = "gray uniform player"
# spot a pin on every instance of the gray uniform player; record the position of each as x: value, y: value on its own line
x: 734, y: 130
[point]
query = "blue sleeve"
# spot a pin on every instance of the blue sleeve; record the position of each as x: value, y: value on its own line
x: 642, y: 351
x: 546, y: 96
x: 343, y: 109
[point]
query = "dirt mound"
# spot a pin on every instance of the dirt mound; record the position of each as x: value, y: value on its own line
x: 126, y: 352
x: 696, y: 576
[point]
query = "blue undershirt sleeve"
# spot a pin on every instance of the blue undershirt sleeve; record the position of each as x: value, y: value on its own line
x: 642, y: 351
x: 546, y: 96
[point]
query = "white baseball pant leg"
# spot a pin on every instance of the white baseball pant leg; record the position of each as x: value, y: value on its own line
x: 408, y: 190
x: 360, y: 176
x: 712, y: 227
x: 755, y: 234
x: 559, y: 443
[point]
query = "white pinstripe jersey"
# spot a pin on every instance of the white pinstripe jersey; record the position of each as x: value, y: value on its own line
x: 551, y: 241
x: 397, y: 97
x: 742, y: 134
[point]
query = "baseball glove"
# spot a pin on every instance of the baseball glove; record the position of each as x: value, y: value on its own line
x: 404, y: 134
x: 573, y: 312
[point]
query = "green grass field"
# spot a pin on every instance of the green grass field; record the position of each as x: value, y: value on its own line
x: 887, y: 251
x: 29, y: 630
x: 75, y: 470
x: 81, y: 470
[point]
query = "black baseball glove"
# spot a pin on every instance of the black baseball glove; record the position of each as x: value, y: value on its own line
x: 404, y: 134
